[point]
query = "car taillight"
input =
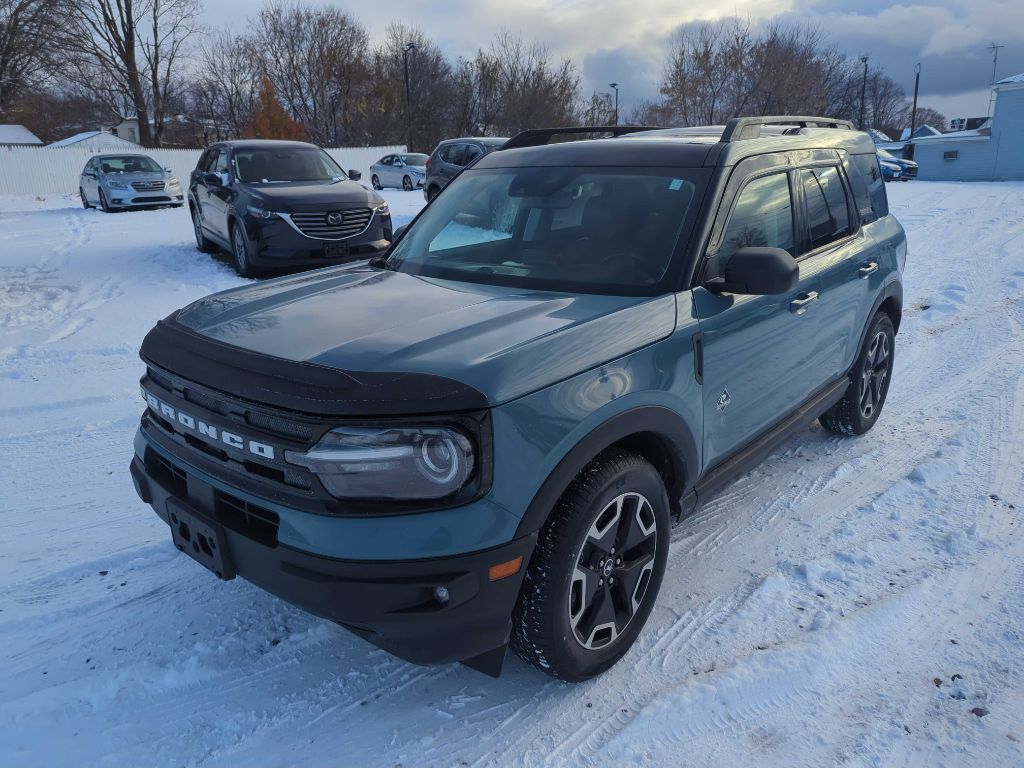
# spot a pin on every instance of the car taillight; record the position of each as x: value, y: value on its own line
x: 427, y: 164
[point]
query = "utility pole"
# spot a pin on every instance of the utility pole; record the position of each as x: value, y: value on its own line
x: 913, y: 113
x: 406, y: 50
x: 863, y: 90
x: 616, y: 87
x: 995, y: 60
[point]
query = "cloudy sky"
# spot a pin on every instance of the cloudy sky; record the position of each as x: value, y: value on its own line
x: 625, y: 41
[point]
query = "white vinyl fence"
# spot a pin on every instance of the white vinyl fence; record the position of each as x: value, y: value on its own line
x: 46, y: 171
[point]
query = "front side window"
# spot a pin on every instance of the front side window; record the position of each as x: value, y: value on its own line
x: 828, y: 216
x: 276, y: 165
x: 762, y: 218
x: 220, y: 165
x: 586, y: 230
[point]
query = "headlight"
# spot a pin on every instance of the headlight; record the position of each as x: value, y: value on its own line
x: 382, y: 210
x: 118, y: 184
x: 390, y: 462
x: 173, y: 182
x: 259, y: 212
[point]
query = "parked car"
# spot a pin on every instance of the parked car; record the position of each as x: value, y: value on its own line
x: 483, y: 437
x: 275, y: 204
x: 401, y: 171
x: 451, y: 156
x: 890, y: 171
x: 116, y: 182
x: 908, y: 168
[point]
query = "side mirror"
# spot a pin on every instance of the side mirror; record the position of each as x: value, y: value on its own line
x: 354, y: 175
x: 213, y: 180
x: 89, y: 174
x: 398, y: 232
x: 168, y: 170
x: 758, y: 272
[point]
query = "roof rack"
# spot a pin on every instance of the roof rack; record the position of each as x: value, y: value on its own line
x: 750, y: 127
x: 537, y: 137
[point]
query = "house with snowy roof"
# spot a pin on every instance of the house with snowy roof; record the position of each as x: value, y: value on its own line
x: 18, y: 136
x: 994, y: 151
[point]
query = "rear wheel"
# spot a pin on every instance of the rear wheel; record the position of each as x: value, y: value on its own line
x: 432, y: 193
x: 203, y: 244
x: 862, y: 404
x: 407, y: 184
x: 595, y: 574
x: 375, y: 182
x: 240, y: 250
x: 85, y: 200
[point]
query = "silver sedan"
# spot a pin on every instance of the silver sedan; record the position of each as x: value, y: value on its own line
x: 114, y: 182
x: 401, y: 171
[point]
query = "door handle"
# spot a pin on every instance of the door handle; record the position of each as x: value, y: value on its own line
x: 868, y: 268
x: 799, y: 306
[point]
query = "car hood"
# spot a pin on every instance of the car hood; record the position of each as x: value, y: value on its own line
x: 504, y: 343
x: 296, y: 196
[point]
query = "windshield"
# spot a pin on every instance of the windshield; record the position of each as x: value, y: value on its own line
x: 586, y: 230
x: 415, y: 159
x: 129, y: 164
x: 266, y: 165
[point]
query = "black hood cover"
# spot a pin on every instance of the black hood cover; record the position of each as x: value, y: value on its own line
x: 301, y: 386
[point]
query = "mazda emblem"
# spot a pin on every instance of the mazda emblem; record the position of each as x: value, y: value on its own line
x: 335, y: 217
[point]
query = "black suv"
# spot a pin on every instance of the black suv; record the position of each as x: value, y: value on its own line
x: 451, y: 156
x: 276, y: 204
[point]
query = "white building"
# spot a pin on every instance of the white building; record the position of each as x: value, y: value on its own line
x: 100, y: 141
x: 992, y: 152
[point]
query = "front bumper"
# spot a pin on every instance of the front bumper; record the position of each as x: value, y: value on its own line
x: 391, y: 603
x: 276, y: 244
x: 130, y: 198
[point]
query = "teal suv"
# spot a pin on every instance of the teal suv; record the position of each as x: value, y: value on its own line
x: 481, y: 438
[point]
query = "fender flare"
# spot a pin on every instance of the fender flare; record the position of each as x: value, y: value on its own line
x: 671, y: 431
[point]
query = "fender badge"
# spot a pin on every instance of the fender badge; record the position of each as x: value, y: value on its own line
x: 723, y: 401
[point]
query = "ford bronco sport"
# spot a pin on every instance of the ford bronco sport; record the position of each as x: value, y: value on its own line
x: 481, y: 439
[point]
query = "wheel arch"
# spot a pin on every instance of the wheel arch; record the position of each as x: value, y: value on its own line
x: 654, y: 432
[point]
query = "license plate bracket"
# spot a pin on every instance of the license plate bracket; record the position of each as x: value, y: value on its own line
x: 336, y: 250
x: 200, y: 538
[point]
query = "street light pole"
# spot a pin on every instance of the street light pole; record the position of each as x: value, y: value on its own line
x: 913, y: 113
x: 863, y: 90
x: 616, y: 87
x: 406, y: 49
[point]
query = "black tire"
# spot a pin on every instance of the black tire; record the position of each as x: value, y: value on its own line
x: 85, y: 201
x: 407, y: 184
x: 555, y: 626
x: 104, y: 205
x: 240, y: 250
x: 375, y: 182
x: 203, y: 243
x: 432, y: 193
x: 862, y: 404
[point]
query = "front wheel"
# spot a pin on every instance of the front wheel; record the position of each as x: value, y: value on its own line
x: 407, y: 184
x: 85, y: 201
x: 104, y: 205
x: 375, y: 182
x: 596, y: 571
x: 240, y: 250
x: 862, y: 404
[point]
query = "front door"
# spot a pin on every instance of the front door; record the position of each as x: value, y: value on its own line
x: 215, y: 207
x: 759, y: 351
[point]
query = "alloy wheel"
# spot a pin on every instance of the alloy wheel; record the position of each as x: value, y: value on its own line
x: 375, y: 182
x: 407, y: 184
x: 197, y: 226
x: 613, y: 570
x: 240, y: 249
x: 874, y: 375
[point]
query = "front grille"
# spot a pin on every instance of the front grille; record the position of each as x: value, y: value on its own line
x: 251, y: 521
x: 166, y: 474
x: 911, y: 172
x: 354, y: 221
x: 147, y: 186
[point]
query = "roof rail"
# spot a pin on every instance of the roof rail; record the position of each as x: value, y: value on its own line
x: 750, y: 127
x: 537, y: 137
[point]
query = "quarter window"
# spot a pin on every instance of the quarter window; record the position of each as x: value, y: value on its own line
x: 868, y: 187
x: 763, y: 217
x: 828, y: 215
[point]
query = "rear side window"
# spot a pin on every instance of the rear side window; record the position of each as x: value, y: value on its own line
x: 868, y: 187
x: 828, y: 215
x: 762, y: 218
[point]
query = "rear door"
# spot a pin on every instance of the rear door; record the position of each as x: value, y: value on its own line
x: 834, y: 247
x: 758, y: 350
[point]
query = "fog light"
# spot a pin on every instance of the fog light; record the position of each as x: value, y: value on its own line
x: 441, y: 594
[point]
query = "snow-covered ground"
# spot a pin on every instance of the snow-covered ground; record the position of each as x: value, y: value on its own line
x: 851, y: 601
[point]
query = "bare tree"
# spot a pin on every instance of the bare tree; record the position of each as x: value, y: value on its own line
x: 127, y: 53
x: 26, y: 33
x: 223, y: 94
